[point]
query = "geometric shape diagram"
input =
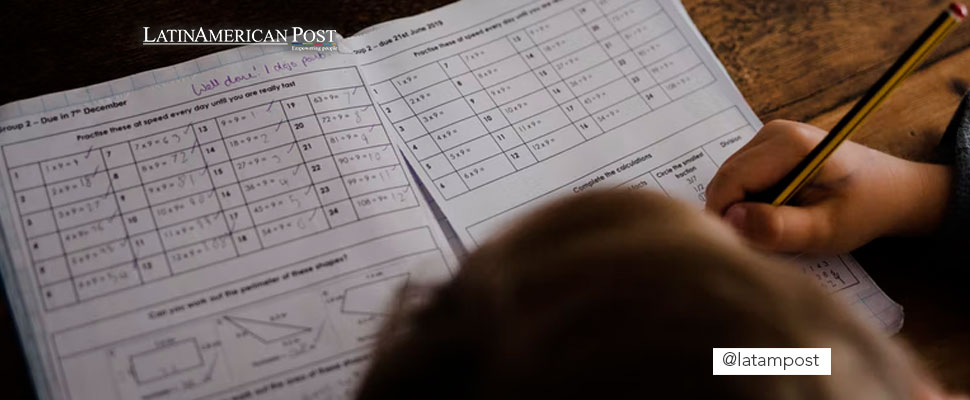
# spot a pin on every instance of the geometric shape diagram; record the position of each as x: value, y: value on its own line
x: 212, y: 369
x: 265, y: 331
x: 166, y: 361
x: 372, y: 298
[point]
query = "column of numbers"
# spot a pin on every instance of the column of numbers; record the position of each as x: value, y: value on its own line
x: 265, y: 175
x: 550, y: 49
x: 43, y: 240
x: 365, y: 160
x: 419, y: 104
x: 180, y: 199
x: 83, y: 235
x: 505, y: 78
x: 645, y: 44
x: 479, y: 147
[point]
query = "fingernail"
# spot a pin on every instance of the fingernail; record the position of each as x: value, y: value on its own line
x: 735, y: 217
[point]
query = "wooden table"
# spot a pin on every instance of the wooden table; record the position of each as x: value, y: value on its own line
x: 804, y: 60
x: 809, y: 61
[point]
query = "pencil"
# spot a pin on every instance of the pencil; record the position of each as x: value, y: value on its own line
x: 783, y: 191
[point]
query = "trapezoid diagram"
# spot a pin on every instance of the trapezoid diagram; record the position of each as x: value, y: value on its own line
x: 266, y: 331
x: 372, y: 298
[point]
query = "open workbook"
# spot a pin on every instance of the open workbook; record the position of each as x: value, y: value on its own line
x: 234, y: 226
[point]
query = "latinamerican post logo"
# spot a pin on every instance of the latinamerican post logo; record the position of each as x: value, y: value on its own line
x: 300, y: 39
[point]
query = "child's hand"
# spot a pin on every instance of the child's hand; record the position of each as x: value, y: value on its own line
x: 858, y: 195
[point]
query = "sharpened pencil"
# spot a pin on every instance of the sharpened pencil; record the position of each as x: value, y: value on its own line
x: 783, y: 191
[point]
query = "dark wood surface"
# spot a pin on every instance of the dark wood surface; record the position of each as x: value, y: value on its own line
x: 804, y: 60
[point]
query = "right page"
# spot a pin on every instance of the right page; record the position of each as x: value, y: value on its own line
x: 501, y: 105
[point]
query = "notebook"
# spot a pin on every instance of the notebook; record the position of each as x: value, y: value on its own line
x: 233, y: 227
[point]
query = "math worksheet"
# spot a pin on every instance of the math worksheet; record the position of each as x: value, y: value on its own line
x: 520, y: 103
x: 235, y: 227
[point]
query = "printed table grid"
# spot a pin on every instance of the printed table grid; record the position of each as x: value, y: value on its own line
x: 181, y: 199
x: 711, y: 155
x: 571, y: 66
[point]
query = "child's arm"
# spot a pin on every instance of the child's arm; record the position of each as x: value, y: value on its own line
x: 858, y: 195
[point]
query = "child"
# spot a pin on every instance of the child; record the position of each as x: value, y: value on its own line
x: 858, y: 195
x: 623, y: 295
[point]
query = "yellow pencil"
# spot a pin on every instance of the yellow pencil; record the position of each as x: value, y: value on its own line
x: 788, y: 187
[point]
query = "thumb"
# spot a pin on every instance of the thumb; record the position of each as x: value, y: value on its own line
x: 780, y: 228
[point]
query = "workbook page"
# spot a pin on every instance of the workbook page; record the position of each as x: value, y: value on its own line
x: 500, y: 106
x: 232, y: 227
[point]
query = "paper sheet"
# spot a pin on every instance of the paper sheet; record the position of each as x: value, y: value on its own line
x: 239, y: 230
x: 234, y: 226
x: 510, y: 104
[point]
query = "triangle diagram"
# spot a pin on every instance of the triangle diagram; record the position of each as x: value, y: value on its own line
x: 264, y: 331
x: 373, y: 297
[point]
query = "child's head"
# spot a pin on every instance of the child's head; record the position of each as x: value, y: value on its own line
x: 621, y: 295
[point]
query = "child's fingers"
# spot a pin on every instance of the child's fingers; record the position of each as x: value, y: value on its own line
x: 783, y: 229
x: 771, y: 130
x: 755, y: 169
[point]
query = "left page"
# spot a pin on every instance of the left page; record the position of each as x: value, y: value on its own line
x: 230, y: 227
